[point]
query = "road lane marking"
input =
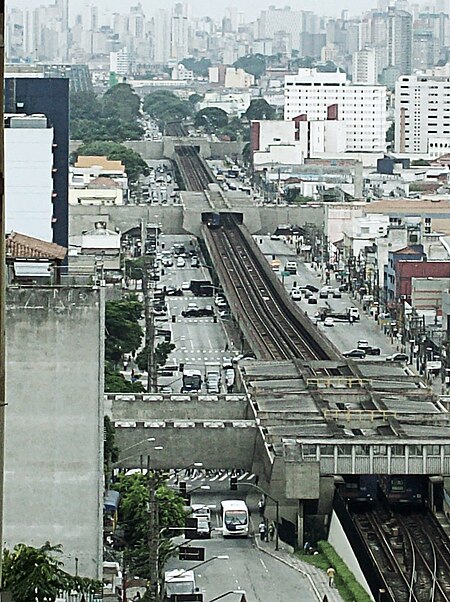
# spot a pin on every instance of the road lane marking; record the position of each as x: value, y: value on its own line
x: 262, y: 562
x: 242, y: 477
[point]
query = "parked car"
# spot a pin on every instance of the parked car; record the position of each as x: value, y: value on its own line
x: 328, y: 322
x: 181, y: 262
x: 312, y: 300
x: 373, y: 351
x: 355, y: 353
x: 296, y: 294
x: 397, y: 357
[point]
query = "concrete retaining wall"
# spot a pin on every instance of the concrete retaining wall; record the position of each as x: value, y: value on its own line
x: 177, y: 407
x: 215, y: 443
x: 340, y: 543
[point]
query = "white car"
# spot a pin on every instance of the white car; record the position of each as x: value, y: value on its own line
x: 181, y: 262
x: 328, y: 322
x: 296, y: 294
x: 185, y: 286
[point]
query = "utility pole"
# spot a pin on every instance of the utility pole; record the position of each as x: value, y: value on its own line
x: 153, y: 533
x: 2, y: 279
x: 152, y: 384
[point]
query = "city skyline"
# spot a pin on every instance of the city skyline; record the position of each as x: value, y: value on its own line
x: 201, y: 8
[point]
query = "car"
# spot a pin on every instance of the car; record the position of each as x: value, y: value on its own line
x: 296, y: 294
x: 291, y: 267
x: 312, y: 288
x: 203, y: 527
x: 328, y: 322
x: 337, y: 294
x: 190, y: 313
x: 363, y: 344
x: 208, y: 310
x: 357, y: 353
x: 194, y: 261
x: 227, y: 363
x: 219, y: 299
x: 171, y: 291
x: 397, y: 357
x: 323, y: 293
x: 242, y: 357
x: 312, y: 300
x: 185, y: 286
x: 159, y: 312
x: 181, y: 262
x: 373, y: 351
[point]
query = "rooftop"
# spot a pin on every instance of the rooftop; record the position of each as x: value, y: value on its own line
x: 20, y: 246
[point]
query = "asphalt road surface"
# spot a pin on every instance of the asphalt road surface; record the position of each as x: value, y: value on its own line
x: 261, y: 576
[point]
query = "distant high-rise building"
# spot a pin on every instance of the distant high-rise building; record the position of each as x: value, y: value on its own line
x: 162, y: 32
x: 275, y: 20
x: 179, y: 32
x: 400, y: 38
x: 422, y: 119
x: 119, y: 62
x: 425, y: 50
x: 365, y: 69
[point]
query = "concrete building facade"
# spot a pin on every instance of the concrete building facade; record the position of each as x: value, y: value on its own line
x: 422, y: 114
x: 361, y: 108
x: 54, y: 422
x: 28, y: 175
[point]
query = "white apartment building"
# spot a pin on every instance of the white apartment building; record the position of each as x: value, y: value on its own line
x: 28, y: 175
x: 422, y: 115
x: 238, y: 78
x: 365, y: 68
x: 119, y: 62
x: 361, y: 108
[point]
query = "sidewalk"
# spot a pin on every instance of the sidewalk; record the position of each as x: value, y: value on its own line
x: 316, y: 577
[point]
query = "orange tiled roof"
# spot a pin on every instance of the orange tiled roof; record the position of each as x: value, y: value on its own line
x: 20, y: 246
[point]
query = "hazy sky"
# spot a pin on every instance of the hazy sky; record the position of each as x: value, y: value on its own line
x: 215, y: 9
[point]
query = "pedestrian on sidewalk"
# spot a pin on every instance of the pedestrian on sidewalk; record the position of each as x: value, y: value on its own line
x: 330, y: 574
x: 262, y: 530
x: 271, y: 531
x: 261, y: 505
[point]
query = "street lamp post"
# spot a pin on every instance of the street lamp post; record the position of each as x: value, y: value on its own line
x: 277, y: 504
x: 237, y: 592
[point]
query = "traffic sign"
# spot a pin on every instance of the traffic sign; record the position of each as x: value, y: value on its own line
x: 191, y: 553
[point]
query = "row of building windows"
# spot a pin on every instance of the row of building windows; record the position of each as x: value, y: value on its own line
x: 378, y: 450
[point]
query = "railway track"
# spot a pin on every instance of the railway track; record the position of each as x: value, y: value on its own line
x: 276, y: 333
x: 412, y: 551
x: 195, y: 173
x: 176, y: 129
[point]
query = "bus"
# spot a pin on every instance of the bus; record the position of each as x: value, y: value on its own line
x: 234, y: 518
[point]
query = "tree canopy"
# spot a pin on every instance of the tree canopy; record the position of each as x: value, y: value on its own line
x: 134, y: 163
x: 111, y: 117
x: 36, y: 574
x: 123, y: 331
x: 162, y: 352
x: 199, y: 67
x: 166, y: 106
x: 258, y: 109
x: 255, y: 64
x: 211, y: 118
x: 133, y: 517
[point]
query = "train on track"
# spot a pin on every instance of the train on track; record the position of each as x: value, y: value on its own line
x: 396, y: 490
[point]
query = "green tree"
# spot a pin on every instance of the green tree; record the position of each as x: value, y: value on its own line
x: 162, y: 352
x: 36, y: 574
x: 85, y: 105
x: 211, y: 118
x: 166, y: 106
x: 121, y: 102
x: 133, y: 517
x: 199, y: 67
x: 258, y: 109
x: 123, y: 331
x: 255, y: 64
x: 194, y: 99
x: 115, y: 382
x: 134, y: 163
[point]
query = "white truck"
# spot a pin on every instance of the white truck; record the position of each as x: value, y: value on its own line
x: 212, y: 377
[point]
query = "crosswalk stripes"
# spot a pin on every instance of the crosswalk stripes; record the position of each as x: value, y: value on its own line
x: 207, y: 476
